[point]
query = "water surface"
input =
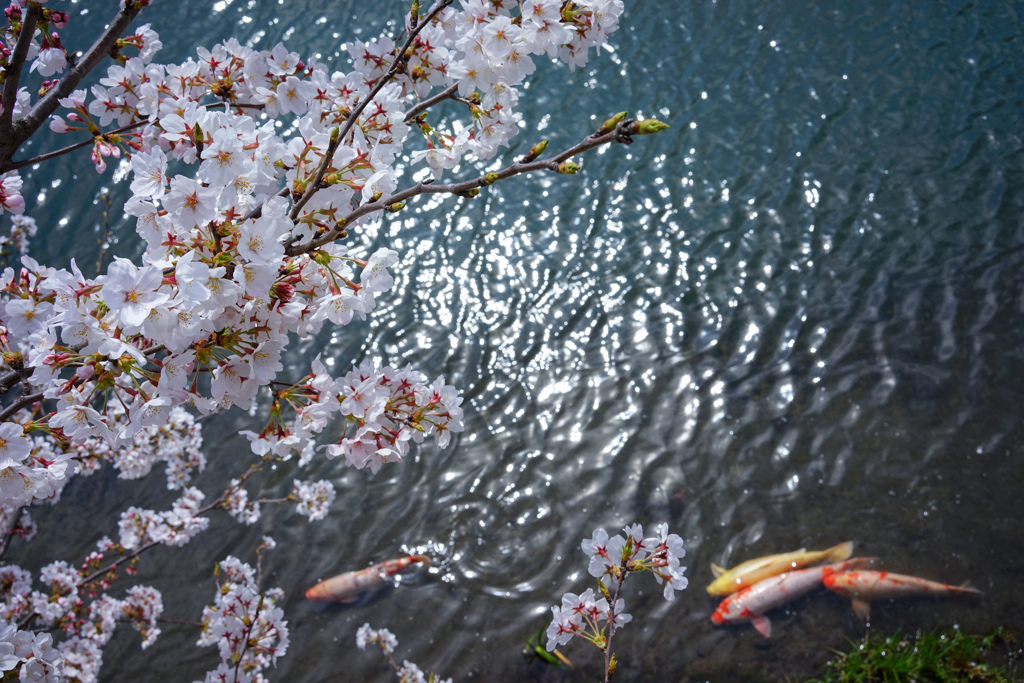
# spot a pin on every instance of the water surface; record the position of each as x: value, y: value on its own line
x: 793, y: 319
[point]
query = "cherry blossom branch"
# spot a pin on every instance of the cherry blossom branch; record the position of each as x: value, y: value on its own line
x: 608, y: 655
x: 11, y: 379
x: 426, y: 104
x: 116, y: 563
x: 13, y: 71
x: 71, y: 148
x: 253, y: 469
x: 336, y: 140
x: 6, y: 541
x: 13, y: 135
x: 248, y: 632
x: 623, y: 133
x: 19, y: 404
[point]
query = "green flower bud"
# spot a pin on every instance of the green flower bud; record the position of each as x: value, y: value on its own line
x: 535, y: 151
x: 376, y: 195
x: 490, y: 178
x: 396, y: 207
x: 610, y: 124
x: 649, y: 126
x: 568, y: 168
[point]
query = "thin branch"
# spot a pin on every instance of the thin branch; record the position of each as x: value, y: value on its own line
x: 6, y: 541
x: 115, y: 564
x: 23, y: 128
x: 622, y: 133
x: 248, y: 632
x: 71, y: 148
x: 426, y: 104
x: 19, y: 404
x: 611, y: 623
x: 312, y: 187
x: 10, y: 96
x: 11, y: 379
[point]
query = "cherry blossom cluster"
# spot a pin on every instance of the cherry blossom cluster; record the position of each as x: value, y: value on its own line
x: 175, y: 527
x: 612, y: 559
x: 176, y: 442
x: 30, y: 656
x: 15, y: 245
x: 386, y: 640
x: 314, y: 499
x: 86, y: 617
x: 243, y: 249
x: 245, y: 624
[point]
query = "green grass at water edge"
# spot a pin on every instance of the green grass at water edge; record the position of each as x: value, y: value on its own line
x: 926, y: 657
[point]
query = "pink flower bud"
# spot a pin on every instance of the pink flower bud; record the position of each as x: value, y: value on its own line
x: 283, y: 292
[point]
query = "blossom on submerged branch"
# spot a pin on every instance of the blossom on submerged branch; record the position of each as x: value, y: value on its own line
x: 612, y: 559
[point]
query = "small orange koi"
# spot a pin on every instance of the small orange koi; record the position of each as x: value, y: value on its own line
x: 349, y: 586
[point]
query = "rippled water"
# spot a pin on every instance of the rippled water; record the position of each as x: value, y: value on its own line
x: 793, y: 319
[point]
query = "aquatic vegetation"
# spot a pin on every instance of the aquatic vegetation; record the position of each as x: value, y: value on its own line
x: 931, y: 656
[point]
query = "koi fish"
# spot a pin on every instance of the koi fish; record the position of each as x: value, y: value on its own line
x: 752, y: 571
x: 863, y: 586
x: 348, y: 587
x: 753, y: 601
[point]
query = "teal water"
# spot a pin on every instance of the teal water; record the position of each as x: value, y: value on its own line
x: 793, y: 319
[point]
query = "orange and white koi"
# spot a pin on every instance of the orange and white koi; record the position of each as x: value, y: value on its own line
x: 864, y: 586
x: 752, y: 602
x: 750, y: 572
x: 348, y: 587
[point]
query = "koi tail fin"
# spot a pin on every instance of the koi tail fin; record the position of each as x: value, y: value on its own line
x: 424, y: 560
x: 840, y: 552
x: 862, y: 608
x: 967, y: 587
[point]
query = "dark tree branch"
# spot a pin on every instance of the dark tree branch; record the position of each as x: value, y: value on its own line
x: 28, y: 28
x: 12, y: 138
x: 426, y: 104
x: 71, y: 148
x: 313, y: 186
x: 19, y: 404
x: 9, y: 534
x: 11, y: 379
x: 622, y: 133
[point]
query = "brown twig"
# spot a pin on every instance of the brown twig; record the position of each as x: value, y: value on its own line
x: 13, y: 134
x: 19, y: 404
x: 426, y: 104
x: 11, y: 379
x: 620, y: 579
x: 622, y: 133
x: 13, y: 71
x: 9, y: 534
x: 71, y: 148
x: 313, y: 186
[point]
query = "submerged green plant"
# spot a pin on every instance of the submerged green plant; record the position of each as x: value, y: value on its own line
x: 933, y: 656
